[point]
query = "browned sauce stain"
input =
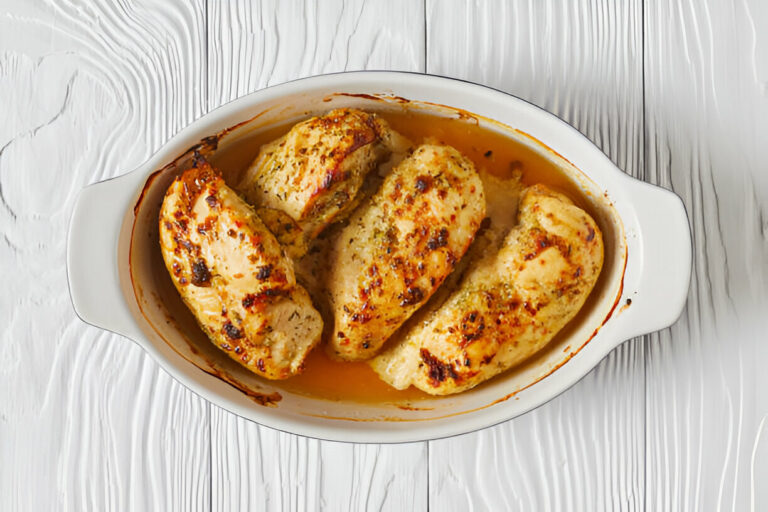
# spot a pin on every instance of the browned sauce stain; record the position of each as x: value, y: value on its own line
x: 225, y: 131
x: 207, y: 145
x: 350, y: 95
x: 322, y: 379
x: 375, y: 97
x: 627, y: 303
x: 621, y: 289
x: 144, y: 189
x: 412, y: 408
x: 265, y: 399
x: 466, y: 116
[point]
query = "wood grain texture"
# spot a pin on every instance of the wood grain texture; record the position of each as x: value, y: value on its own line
x: 87, y: 421
x: 253, y: 45
x: 581, y: 61
x: 256, y: 468
x: 707, y: 126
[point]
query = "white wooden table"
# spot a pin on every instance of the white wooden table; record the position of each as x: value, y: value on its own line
x: 675, y: 92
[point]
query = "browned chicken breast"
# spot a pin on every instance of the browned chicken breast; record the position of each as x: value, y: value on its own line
x: 234, y: 277
x: 311, y: 176
x: 399, y: 247
x: 508, y: 306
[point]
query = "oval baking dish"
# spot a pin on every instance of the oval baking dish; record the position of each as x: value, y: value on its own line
x: 113, y: 254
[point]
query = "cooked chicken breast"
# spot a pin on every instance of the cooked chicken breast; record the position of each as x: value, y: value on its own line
x: 508, y: 306
x: 399, y: 247
x: 234, y: 277
x: 311, y: 176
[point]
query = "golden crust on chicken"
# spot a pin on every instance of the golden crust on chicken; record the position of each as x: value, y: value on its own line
x: 508, y: 306
x: 400, y: 246
x: 233, y: 275
x: 310, y: 177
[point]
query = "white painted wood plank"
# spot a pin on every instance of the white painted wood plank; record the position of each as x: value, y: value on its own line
x: 87, y: 421
x: 252, y: 45
x: 256, y: 468
x: 256, y: 44
x: 707, y: 126
x: 582, y: 61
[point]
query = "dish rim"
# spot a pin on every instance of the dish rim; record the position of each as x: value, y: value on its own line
x: 557, y: 382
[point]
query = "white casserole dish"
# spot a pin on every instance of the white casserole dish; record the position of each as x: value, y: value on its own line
x: 114, y: 282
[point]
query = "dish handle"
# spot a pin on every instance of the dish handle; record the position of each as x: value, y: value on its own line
x: 665, y: 261
x: 92, y: 258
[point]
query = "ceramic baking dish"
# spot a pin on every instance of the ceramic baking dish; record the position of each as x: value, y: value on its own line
x: 117, y: 280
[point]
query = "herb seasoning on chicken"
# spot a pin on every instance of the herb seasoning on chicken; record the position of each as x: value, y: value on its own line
x: 310, y: 177
x: 233, y: 275
x: 508, y: 306
x: 400, y: 246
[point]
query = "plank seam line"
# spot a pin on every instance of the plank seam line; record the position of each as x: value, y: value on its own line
x: 646, y: 338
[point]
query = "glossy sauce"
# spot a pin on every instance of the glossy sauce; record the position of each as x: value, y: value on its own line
x: 492, y: 151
